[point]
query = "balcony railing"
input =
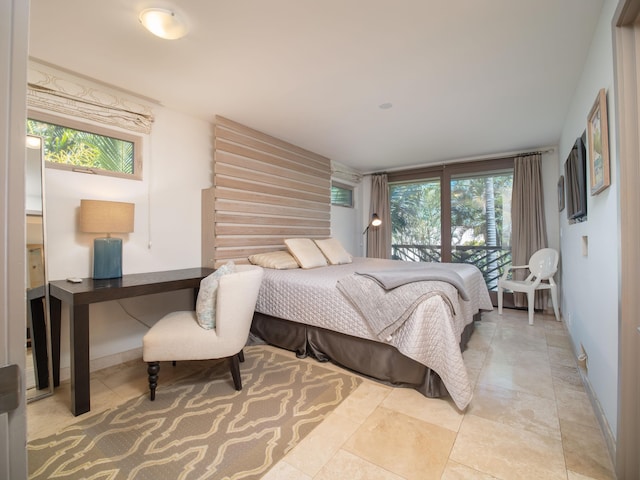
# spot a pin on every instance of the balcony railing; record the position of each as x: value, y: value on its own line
x: 491, y: 261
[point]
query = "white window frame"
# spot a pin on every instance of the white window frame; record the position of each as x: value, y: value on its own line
x: 67, y: 122
x: 344, y: 187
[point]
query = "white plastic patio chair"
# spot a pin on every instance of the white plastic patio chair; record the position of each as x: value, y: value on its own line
x: 542, y: 266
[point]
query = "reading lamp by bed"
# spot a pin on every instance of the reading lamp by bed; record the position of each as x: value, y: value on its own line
x: 375, y: 222
x: 98, y: 216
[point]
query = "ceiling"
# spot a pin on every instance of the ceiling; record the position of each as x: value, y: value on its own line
x: 466, y: 78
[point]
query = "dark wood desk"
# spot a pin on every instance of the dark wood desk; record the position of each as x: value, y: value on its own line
x: 38, y: 331
x: 80, y: 295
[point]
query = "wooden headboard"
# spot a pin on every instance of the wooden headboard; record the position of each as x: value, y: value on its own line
x: 264, y: 190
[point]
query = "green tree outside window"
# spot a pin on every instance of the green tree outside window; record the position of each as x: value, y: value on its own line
x: 79, y: 148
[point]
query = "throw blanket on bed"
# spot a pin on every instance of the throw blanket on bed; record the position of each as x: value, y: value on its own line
x: 419, y: 319
x: 390, y: 279
x: 386, y: 310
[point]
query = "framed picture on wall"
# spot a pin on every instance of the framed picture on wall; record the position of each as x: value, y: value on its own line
x: 598, y: 136
x: 561, y: 193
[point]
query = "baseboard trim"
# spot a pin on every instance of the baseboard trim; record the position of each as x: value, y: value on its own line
x: 600, y: 416
x: 104, y: 362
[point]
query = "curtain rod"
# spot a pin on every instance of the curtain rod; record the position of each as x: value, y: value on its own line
x: 514, y: 155
x: 468, y: 159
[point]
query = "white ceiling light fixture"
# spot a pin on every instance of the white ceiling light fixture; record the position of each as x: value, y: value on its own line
x: 163, y: 23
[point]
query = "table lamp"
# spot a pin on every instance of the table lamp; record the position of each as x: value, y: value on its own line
x: 98, y: 216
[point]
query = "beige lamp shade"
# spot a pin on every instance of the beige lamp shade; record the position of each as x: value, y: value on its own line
x: 98, y: 216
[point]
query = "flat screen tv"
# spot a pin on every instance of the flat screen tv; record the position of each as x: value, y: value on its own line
x: 575, y: 178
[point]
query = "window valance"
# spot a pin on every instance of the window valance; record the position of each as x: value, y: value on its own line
x: 343, y: 172
x: 60, y: 92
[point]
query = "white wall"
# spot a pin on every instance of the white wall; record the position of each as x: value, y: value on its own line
x: 345, y: 222
x: 590, y: 282
x: 177, y: 165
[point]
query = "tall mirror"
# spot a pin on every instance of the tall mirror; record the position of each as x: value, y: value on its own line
x: 39, y: 382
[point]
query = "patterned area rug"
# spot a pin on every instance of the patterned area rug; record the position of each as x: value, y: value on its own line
x: 200, y: 427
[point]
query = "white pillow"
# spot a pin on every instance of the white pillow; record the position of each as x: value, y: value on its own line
x: 305, y: 252
x: 334, y: 251
x: 206, y: 302
x: 279, y: 260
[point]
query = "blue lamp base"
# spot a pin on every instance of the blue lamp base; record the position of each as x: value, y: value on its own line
x: 107, y: 258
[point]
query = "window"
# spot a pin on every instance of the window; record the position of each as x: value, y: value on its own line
x: 458, y: 213
x: 341, y: 195
x: 416, y: 220
x: 81, y: 147
x: 481, y: 222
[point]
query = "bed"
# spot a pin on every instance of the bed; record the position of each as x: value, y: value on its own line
x: 312, y: 312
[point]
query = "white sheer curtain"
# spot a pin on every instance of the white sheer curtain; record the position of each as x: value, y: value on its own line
x: 529, y: 230
x: 379, y: 238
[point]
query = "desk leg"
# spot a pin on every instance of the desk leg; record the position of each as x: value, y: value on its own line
x: 55, y: 309
x: 38, y: 327
x: 80, y: 393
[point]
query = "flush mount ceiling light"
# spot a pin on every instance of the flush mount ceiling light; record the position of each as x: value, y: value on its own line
x: 163, y: 23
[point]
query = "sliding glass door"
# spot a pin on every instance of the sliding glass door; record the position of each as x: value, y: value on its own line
x: 481, y: 222
x: 459, y: 213
x: 416, y: 227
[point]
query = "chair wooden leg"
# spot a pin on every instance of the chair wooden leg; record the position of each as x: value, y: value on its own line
x: 500, y: 293
x: 241, y: 355
x: 234, y: 364
x: 152, y: 369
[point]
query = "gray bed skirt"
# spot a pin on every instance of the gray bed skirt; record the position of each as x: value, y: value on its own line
x: 373, y: 359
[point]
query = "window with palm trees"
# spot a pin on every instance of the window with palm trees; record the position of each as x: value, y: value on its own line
x: 457, y: 215
x: 87, y: 149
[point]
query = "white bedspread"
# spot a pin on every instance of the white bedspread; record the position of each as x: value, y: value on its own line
x: 430, y: 336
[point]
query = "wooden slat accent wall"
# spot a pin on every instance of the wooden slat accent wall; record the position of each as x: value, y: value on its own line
x: 264, y: 190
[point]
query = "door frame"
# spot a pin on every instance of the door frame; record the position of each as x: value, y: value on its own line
x: 14, y: 35
x: 626, y: 49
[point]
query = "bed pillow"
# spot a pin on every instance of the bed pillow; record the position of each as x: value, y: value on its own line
x: 334, y: 251
x: 280, y: 260
x: 206, y: 301
x: 306, y: 253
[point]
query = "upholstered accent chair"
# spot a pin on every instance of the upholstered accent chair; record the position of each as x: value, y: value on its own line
x: 179, y: 336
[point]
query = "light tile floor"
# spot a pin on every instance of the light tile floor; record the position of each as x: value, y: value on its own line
x: 530, y: 417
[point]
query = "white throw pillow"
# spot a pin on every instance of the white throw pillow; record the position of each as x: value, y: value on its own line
x: 306, y: 253
x: 206, y: 302
x: 279, y: 260
x: 334, y: 251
